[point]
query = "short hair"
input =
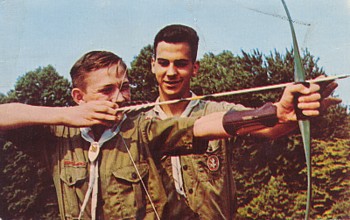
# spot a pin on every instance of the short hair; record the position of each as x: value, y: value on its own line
x: 91, y: 61
x: 177, y: 33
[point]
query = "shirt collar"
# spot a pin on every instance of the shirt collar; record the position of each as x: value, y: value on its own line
x: 159, y: 111
x: 107, y: 134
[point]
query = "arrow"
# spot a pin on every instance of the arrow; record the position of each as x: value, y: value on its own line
x: 221, y: 94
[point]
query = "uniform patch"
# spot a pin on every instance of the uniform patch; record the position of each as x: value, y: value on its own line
x: 74, y: 163
x: 213, y: 163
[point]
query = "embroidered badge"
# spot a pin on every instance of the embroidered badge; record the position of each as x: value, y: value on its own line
x: 213, y: 163
x: 68, y: 163
x: 94, y: 150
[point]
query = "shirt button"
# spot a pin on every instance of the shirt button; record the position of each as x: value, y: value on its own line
x: 134, y: 176
x: 185, y: 167
x: 190, y: 191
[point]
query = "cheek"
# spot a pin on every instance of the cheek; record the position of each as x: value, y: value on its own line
x: 158, y: 77
x: 159, y: 70
x: 99, y: 97
x: 186, y: 74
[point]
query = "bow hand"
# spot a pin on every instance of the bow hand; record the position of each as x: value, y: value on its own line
x: 299, y: 101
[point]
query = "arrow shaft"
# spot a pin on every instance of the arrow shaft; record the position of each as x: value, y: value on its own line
x: 221, y: 94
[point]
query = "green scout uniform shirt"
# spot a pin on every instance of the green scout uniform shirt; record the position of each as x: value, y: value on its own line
x: 208, y: 180
x: 121, y: 195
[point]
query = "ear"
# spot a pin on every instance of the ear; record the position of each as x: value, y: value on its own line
x: 78, y: 95
x: 153, y: 62
x: 195, y: 68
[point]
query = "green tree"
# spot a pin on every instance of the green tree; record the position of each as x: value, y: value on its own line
x: 2, y: 98
x: 331, y: 163
x: 219, y: 73
x: 143, y: 82
x: 26, y: 187
x: 44, y: 86
x: 274, y: 202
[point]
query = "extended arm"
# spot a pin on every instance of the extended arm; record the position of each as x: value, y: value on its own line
x: 270, y: 121
x: 15, y: 115
x: 313, y: 101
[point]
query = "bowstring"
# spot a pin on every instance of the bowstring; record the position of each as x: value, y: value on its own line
x: 129, y: 153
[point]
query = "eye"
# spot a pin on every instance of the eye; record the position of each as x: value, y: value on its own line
x: 181, y: 63
x: 163, y: 62
x: 106, y: 90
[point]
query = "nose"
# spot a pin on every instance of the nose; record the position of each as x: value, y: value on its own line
x: 171, y: 71
x: 118, y: 97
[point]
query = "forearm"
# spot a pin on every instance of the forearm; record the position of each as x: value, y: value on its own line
x: 210, y: 127
x: 15, y: 115
x: 262, y: 122
x: 279, y: 130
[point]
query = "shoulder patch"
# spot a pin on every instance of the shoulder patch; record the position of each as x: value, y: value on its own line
x: 213, y: 163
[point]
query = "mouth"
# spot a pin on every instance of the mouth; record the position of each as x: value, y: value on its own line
x: 172, y: 83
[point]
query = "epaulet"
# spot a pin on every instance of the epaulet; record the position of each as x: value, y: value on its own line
x: 152, y: 117
x: 148, y: 116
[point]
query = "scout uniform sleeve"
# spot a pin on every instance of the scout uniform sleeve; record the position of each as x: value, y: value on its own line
x: 172, y: 136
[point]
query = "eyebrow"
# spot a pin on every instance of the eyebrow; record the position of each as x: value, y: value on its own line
x: 108, y: 86
x: 177, y: 60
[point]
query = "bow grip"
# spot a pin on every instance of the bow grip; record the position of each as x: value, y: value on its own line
x: 298, y: 111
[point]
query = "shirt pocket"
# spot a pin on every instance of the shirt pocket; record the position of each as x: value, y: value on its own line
x: 73, y: 172
x: 74, y: 178
x: 126, y: 195
x: 129, y: 173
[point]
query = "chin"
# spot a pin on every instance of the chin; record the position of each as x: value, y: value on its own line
x: 174, y: 96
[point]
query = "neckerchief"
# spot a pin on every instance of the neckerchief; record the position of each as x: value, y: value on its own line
x: 93, y: 153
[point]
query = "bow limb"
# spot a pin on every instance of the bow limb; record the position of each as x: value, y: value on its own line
x: 304, y: 125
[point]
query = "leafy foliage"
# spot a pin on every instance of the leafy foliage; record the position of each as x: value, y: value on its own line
x: 273, y: 202
x: 26, y: 186
x: 331, y: 162
x: 143, y: 82
x: 42, y: 87
x: 221, y: 73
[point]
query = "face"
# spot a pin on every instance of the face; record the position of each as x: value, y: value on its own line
x: 174, y: 69
x: 106, y: 84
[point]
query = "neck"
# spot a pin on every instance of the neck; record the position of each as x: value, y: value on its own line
x: 175, y: 109
x: 97, y: 131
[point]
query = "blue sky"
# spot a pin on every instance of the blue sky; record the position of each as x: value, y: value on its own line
x: 42, y: 32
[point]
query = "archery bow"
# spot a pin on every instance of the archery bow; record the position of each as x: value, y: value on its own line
x: 304, y: 125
